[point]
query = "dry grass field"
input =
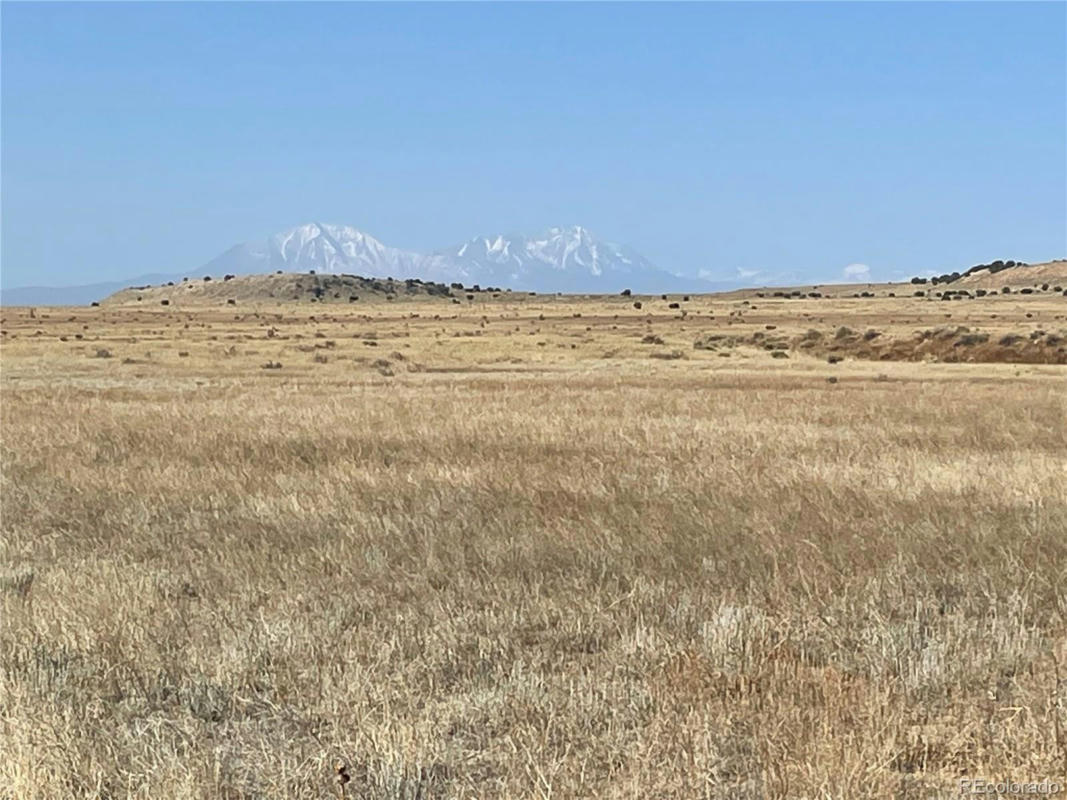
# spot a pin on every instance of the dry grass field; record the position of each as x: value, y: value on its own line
x: 533, y: 547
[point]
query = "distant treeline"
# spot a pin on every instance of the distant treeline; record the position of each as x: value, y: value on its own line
x: 994, y: 267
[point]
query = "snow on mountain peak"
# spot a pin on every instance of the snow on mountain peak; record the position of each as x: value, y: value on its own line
x: 331, y: 248
x: 568, y: 258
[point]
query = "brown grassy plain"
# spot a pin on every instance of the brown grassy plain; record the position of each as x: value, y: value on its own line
x: 531, y: 547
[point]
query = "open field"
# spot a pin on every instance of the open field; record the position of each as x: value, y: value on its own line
x: 526, y: 546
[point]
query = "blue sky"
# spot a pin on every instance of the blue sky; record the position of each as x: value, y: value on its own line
x: 779, y: 138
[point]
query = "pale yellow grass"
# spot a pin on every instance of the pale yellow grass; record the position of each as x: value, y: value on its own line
x: 499, y: 566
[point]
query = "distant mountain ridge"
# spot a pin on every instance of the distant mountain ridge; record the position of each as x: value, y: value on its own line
x: 73, y: 295
x: 568, y: 259
x: 323, y: 248
x: 561, y: 259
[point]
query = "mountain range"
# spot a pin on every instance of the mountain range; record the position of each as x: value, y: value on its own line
x: 558, y: 260
x: 567, y: 259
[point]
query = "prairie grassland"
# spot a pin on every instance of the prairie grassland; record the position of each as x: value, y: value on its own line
x: 527, y: 548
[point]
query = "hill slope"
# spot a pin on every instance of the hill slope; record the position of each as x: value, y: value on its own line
x: 1053, y: 273
x: 286, y: 287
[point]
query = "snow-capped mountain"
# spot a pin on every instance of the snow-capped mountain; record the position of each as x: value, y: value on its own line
x: 323, y: 248
x: 558, y: 260
x: 567, y: 259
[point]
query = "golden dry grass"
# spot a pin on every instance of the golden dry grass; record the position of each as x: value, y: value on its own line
x: 498, y: 550
x: 1033, y: 276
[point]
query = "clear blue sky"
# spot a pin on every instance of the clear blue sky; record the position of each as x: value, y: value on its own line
x: 799, y: 137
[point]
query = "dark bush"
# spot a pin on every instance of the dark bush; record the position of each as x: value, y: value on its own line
x: 626, y: 293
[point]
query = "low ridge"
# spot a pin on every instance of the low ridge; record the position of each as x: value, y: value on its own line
x: 281, y: 287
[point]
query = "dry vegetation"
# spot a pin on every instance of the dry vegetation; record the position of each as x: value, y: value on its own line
x: 1032, y: 276
x: 279, y: 287
x: 531, y: 547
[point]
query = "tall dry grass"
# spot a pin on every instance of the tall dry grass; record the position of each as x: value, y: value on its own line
x: 612, y: 578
